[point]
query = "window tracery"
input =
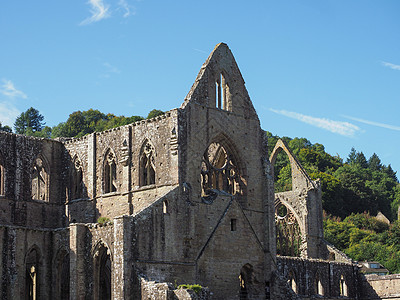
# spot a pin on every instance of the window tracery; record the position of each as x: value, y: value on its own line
x: 110, y: 173
x: 147, y: 165
x: 219, y: 171
x: 40, y: 177
x: 288, y: 234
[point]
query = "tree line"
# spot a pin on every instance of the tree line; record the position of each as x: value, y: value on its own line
x: 78, y: 124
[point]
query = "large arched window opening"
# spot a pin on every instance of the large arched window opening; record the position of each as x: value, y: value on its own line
x: 102, y: 272
x: 282, y: 172
x: 32, y: 275
x: 245, y: 282
x: 288, y: 234
x: 220, y: 171
x: 2, y: 176
x: 40, y: 179
x: 110, y: 173
x: 76, y: 179
x: 147, y: 164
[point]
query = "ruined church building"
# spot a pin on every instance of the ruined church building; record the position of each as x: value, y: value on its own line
x: 189, y: 198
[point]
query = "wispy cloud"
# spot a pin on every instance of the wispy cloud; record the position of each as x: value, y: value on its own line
x: 393, y: 127
x: 342, y: 128
x: 111, y: 69
x: 128, y: 9
x: 390, y: 65
x: 8, y: 113
x: 8, y: 89
x: 99, y: 11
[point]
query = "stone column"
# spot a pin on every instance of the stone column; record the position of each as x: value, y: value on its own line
x: 78, y: 268
x: 122, y: 277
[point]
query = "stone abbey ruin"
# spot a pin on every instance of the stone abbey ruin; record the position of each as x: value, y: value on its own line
x: 185, y: 198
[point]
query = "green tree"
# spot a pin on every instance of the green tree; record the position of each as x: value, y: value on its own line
x: 374, y: 162
x: 30, y: 118
x: 5, y: 128
x: 155, y: 113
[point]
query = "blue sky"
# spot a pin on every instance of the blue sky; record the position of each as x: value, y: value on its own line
x: 326, y: 70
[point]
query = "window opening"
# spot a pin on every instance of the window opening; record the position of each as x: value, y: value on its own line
x: 110, y: 174
x: 318, y: 288
x: 343, y: 287
x: 245, y: 282
x: 288, y: 235
x: 219, y: 171
x: 292, y: 282
x: 233, y: 224
x: 32, y: 275
x: 77, y: 180
x: 282, y: 173
x: 165, y: 207
x: 147, y: 164
x: 221, y: 92
x: 102, y: 273
x: 39, y: 180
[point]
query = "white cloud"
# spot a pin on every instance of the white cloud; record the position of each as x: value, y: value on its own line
x: 342, y: 128
x: 374, y: 123
x: 8, y: 113
x: 8, y: 89
x: 111, y: 68
x: 390, y: 65
x: 128, y: 9
x: 99, y: 11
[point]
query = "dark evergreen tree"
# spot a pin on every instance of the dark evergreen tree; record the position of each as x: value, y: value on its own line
x: 29, y: 119
x: 374, y: 163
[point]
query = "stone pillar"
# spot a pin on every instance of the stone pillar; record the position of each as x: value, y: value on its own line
x: 122, y: 277
x: 78, y: 268
x: 91, y: 171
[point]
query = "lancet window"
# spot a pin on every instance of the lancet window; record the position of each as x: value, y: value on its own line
x: 76, y: 179
x: 221, y: 92
x: 110, y: 173
x: 219, y: 171
x: 31, y: 286
x: 288, y: 234
x: 40, y: 178
x: 147, y: 165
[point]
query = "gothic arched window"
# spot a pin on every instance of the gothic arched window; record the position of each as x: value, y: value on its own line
x: 40, y: 178
x: 76, y: 179
x: 219, y: 171
x: 147, y: 165
x: 288, y: 234
x: 110, y: 173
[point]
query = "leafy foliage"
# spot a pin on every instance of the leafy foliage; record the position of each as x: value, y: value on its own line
x: 363, y: 237
x: 155, y: 113
x: 5, y: 128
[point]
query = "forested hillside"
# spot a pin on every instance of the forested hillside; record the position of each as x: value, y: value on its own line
x: 353, y: 191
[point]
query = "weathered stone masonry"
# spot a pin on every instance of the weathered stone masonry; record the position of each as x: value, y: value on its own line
x: 187, y: 197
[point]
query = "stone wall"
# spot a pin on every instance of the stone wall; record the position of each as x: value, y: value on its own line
x: 374, y: 287
x: 319, y: 278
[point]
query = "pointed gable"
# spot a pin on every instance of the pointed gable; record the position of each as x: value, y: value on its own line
x: 220, y: 84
